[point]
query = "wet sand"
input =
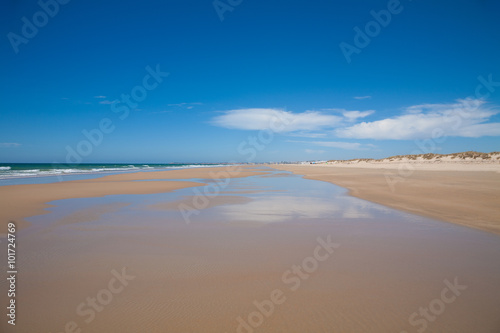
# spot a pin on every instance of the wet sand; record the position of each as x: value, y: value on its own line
x: 21, y: 201
x: 203, y: 279
x: 469, y: 198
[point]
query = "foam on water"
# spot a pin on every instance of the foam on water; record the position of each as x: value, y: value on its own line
x: 21, y: 170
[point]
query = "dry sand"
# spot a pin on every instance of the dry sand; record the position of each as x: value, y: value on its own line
x: 469, y: 197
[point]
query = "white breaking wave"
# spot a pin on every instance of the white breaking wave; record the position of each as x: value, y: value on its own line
x: 7, y: 173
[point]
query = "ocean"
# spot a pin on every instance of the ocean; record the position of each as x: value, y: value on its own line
x: 30, y: 170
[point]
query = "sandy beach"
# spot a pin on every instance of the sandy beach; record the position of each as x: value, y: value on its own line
x: 234, y: 166
x: 269, y: 252
x: 463, y: 193
x: 21, y: 201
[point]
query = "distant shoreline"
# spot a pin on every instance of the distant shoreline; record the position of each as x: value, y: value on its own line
x: 465, y: 161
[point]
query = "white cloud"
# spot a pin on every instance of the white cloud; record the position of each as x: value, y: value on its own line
x: 313, y: 151
x: 9, y: 145
x: 353, y: 115
x: 185, y: 105
x: 464, y: 118
x: 362, y: 97
x: 338, y: 144
x: 343, y: 145
x: 101, y: 97
x: 276, y: 120
x: 313, y: 135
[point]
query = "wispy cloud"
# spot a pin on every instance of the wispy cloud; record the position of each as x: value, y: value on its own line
x: 187, y: 106
x: 464, y: 118
x: 312, y: 135
x: 101, y: 97
x: 343, y: 145
x: 184, y: 104
x: 354, y: 115
x: 276, y: 120
x: 362, y: 97
x: 338, y: 144
x: 313, y: 151
x: 9, y: 145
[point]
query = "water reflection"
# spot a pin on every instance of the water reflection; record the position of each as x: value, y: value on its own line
x: 297, y: 199
x: 278, y: 209
x: 267, y: 200
x: 282, y: 208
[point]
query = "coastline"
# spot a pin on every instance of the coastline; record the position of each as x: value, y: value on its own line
x: 464, y: 194
x: 22, y: 201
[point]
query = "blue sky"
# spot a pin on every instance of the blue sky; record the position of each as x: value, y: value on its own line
x: 417, y: 83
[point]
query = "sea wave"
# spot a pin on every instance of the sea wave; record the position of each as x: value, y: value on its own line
x: 6, y: 172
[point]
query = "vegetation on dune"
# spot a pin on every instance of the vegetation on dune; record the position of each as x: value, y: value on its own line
x: 430, y: 156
